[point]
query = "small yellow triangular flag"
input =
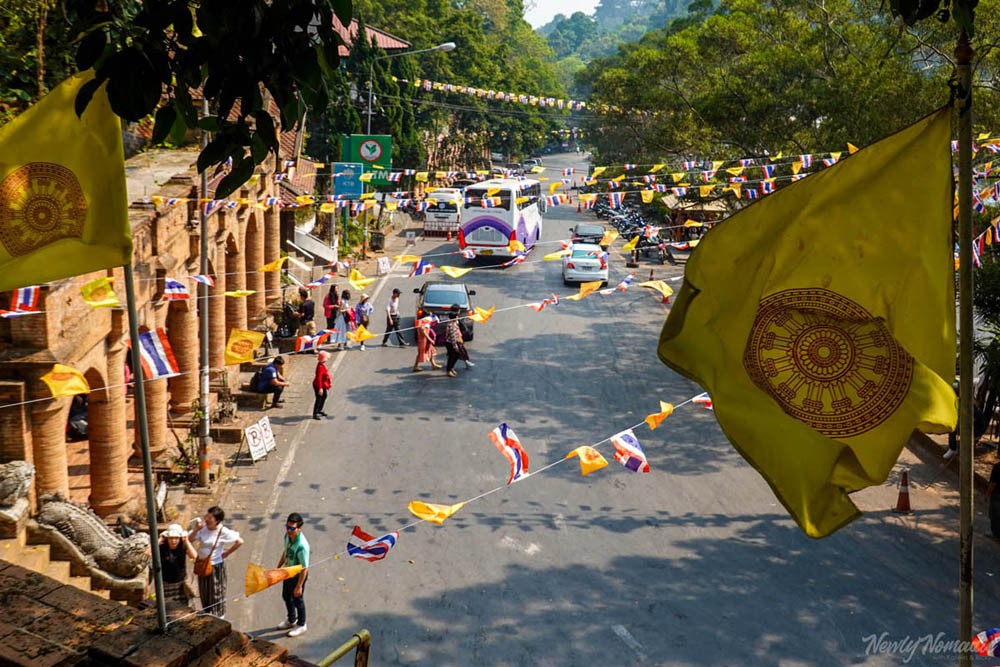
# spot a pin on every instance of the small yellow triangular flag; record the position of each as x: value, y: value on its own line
x: 240, y: 293
x: 65, y: 381
x: 361, y: 334
x: 99, y: 293
x: 432, y: 512
x: 851, y: 148
x: 598, y: 171
x: 630, y: 246
x: 272, y: 267
x: 482, y: 314
x: 590, y: 459
x: 655, y: 419
x: 585, y: 289
x: 659, y: 286
x: 454, y: 271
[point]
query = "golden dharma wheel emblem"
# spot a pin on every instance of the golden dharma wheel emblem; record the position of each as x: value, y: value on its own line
x: 40, y: 202
x: 827, y: 361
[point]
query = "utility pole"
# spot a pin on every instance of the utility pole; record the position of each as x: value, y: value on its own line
x: 204, y: 412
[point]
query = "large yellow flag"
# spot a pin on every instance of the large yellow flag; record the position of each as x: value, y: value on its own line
x: 241, y: 345
x: 65, y: 381
x: 275, y: 266
x: 63, y: 206
x: 840, y: 337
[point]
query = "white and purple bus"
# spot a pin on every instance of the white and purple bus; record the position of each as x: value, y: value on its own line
x: 499, y: 211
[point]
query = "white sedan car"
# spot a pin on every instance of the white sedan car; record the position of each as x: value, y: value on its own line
x: 584, y: 263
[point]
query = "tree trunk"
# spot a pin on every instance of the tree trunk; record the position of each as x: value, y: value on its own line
x: 40, y: 22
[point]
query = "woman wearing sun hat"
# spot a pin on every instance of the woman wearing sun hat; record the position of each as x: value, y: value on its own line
x: 175, y: 550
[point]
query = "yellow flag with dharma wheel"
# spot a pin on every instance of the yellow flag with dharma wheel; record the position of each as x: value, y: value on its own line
x: 241, y: 345
x: 821, y: 319
x: 63, y: 203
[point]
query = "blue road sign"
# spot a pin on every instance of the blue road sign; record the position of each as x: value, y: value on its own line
x: 347, y: 179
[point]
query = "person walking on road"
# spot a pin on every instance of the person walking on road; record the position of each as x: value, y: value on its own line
x: 343, y: 324
x: 425, y: 343
x: 293, y: 590
x: 331, y: 306
x: 392, y: 320
x: 217, y: 543
x: 453, y: 340
x: 363, y: 314
x: 321, y: 384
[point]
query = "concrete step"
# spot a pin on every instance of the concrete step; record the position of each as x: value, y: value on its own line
x: 34, y: 558
x: 58, y: 570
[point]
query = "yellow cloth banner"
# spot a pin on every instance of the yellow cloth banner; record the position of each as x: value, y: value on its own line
x: 655, y: 419
x: 552, y: 256
x: 454, y: 271
x: 257, y: 578
x: 840, y: 339
x: 275, y: 266
x: 433, y: 512
x: 630, y: 246
x: 609, y: 237
x: 63, y: 204
x: 647, y: 196
x: 407, y: 259
x: 598, y: 171
x: 554, y: 185
x: 240, y: 293
x: 590, y: 459
x: 241, y: 344
x: 65, y: 381
x: 99, y: 293
x: 656, y: 168
x: 328, y: 207
x: 515, y: 246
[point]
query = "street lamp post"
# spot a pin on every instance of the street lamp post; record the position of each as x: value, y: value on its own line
x: 447, y: 46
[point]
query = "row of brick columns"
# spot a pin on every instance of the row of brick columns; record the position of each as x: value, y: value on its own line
x: 108, y: 409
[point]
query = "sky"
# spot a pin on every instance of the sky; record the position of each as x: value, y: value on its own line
x: 542, y: 11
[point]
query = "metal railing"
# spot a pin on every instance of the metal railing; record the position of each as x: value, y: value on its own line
x: 362, y: 641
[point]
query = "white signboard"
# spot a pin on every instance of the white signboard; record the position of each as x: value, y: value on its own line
x: 411, y: 237
x: 265, y: 427
x: 383, y: 266
x: 255, y: 441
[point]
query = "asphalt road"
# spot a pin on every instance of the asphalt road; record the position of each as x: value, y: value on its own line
x: 695, y: 563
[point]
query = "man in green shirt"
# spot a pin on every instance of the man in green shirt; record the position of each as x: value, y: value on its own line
x: 293, y: 589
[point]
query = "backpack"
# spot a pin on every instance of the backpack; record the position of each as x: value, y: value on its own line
x: 255, y: 380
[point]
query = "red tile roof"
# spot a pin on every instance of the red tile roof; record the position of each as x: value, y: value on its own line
x: 384, y: 40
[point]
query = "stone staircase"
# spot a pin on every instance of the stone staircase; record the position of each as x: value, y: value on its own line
x: 28, y: 551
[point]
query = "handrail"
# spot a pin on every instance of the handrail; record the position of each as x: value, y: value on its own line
x: 362, y: 640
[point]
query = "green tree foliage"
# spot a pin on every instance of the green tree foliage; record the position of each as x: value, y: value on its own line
x: 495, y: 49
x: 154, y: 55
x: 759, y: 77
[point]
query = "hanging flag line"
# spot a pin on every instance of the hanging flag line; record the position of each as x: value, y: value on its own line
x: 694, y: 400
x: 481, y: 315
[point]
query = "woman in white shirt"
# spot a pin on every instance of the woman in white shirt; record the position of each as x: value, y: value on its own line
x: 218, y: 542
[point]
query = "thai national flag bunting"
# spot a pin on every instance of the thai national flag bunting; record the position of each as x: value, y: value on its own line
x: 362, y: 545
x: 420, y: 268
x: 156, y: 355
x: 204, y: 280
x: 174, y: 290
x: 26, y: 299
x: 307, y: 343
x: 509, y: 445
x: 319, y: 281
x: 704, y: 400
x: 517, y: 259
x: 629, y: 452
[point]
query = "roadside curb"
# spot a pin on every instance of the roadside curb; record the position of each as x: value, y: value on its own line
x: 929, y: 452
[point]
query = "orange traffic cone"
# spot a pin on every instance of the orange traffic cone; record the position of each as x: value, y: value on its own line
x: 903, y: 504
x: 578, y: 209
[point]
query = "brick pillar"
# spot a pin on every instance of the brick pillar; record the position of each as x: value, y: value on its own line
x: 254, y: 249
x: 15, y: 442
x: 236, y: 279
x: 182, y: 332
x: 109, y: 446
x: 218, y: 334
x: 156, y: 418
x: 48, y: 446
x: 272, y: 251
